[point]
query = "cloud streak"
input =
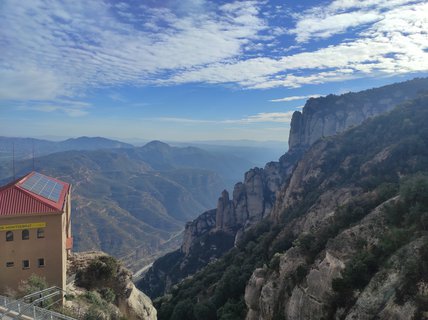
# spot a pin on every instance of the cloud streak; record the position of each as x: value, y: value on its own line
x: 294, y: 98
x: 70, y: 108
x: 263, y: 117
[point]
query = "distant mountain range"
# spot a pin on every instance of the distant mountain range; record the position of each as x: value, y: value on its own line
x: 130, y: 201
x: 24, y: 147
x: 256, y: 153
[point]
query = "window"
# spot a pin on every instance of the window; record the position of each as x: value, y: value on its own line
x: 40, y: 262
x: 40, y: 233
x: 25, y: 264
x: 9, y: 236
x: 25, y: 234
x: 10, y: 264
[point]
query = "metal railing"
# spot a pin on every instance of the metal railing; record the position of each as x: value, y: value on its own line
x: 20, y: 309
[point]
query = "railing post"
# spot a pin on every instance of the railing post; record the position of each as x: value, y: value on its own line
x: 34, y: 313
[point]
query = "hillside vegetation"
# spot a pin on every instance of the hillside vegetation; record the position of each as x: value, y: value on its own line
x: 347, y: 237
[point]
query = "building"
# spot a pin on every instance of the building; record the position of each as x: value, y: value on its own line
x: 35, y: 230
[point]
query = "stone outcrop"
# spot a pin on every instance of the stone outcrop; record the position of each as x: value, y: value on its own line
x: 136, y: 305
x: 272, y: 293
x: 201, y: 225
x: 301, y: 287
x: 264, y: 191
x: 253, y: 199
x: 326, y: 116
x: 129, y: 302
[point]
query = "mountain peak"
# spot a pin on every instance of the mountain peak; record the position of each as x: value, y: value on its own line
x: 156, y: 144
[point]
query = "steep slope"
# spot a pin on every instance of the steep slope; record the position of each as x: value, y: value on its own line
x: 254, y: 198
x: 347, y: 237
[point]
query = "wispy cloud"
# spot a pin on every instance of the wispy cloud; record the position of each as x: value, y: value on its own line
x: 58, y: 49
x: 263, y: 117
x: 279, y: 117
x: 340, y: 16
x: 54, y: 49
x: 71, y: 108
x: 396, y: 44
x: 293, y: 98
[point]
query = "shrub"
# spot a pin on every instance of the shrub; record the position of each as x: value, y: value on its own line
x: 100, y: 272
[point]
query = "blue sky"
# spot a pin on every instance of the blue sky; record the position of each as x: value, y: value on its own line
x: 195, y: 69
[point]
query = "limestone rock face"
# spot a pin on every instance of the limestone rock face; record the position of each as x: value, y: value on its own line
x: 252, y: 200
x: 309, y: 298
x: 225, y: 217
x: 252, y: 293
x: 201, y: 225
x: 129, y: 301
x: 274, y: 189
x: 326, y: 116
x: 137, y: 305
x: 379, y: 297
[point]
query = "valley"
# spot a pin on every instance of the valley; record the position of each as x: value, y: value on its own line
x: 133, y: 202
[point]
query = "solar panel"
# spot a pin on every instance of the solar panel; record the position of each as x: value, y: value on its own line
x: 43, y: 186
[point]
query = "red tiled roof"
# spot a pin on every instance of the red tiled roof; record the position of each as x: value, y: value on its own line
x: 16, y: 200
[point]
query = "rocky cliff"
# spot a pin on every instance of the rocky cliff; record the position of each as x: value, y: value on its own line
x: 253, y: 199
x: 326, y: 116
x: 341, y: 266
x: 347, y: 237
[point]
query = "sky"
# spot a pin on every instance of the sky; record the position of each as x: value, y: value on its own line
x: 194, y: 70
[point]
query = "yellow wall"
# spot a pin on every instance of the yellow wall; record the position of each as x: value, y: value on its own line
x: 51, y: 248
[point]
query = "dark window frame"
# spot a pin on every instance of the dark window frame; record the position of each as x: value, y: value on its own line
x: 25, y: 264
x: 9, y: 235
x: 25, y: 234
x: 10, y: 264
x: 41, y: 262
x: 40, y: 233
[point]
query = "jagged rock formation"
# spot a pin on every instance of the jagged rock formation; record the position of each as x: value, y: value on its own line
x: 321, y: 117
x: 253, y: 199
x: 326, y: 116
x: 282, y: 292
x: 105, y: 287
x: 204, y: 223
x: 347, y: 237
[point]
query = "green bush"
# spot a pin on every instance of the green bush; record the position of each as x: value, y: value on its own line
x: 99, y: 273
x: 107, y: 294
x: 33, y: 284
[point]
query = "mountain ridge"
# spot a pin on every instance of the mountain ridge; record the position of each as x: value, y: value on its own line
x: 130, y: 202
x: 347, y: 237
x: 254, y: 198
